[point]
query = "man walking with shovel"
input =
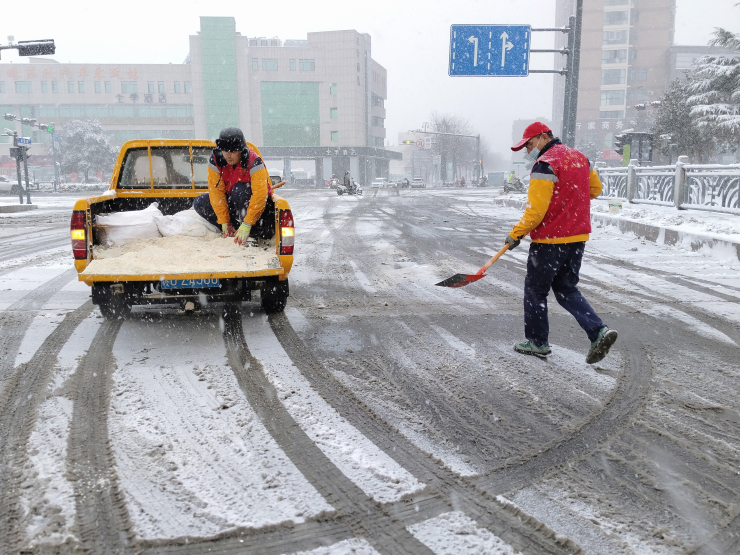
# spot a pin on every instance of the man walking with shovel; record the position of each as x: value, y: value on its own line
x: 558, y: 220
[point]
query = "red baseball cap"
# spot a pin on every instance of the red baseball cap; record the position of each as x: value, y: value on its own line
x: 532, y: 130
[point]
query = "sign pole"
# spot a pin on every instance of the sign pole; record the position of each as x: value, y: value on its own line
x: 57, y: 182
x: 18, y: 167
x: 570, y: 103
x: 25, y: 170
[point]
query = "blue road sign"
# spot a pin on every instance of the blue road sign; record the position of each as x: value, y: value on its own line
x: 24, y: 141
x: 495, y: 50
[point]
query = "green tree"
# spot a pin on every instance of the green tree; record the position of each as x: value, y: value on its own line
x: 676, y: 117
x: 714, y: 89
x: 84, y: 147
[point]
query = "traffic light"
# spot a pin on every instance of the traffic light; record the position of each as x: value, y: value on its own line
x: 640, y: 106
x: 9, y: 117
x: 620, y: 141
x: 36, y: 47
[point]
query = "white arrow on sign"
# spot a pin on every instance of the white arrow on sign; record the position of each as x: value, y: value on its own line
x: 474, y: 40
x: 504, y: 47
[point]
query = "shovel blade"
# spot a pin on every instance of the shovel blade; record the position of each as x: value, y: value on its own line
x: 460, y: 280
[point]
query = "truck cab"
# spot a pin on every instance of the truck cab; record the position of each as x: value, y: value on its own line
x: 173, y: 173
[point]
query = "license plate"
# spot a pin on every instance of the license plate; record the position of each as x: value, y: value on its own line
x: 188, y: 283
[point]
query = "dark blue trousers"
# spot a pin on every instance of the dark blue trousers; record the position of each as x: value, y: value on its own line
x: 555, y: 266
x: 238, y: 201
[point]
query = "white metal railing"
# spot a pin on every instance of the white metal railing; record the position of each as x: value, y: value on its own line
x: 698, y: 186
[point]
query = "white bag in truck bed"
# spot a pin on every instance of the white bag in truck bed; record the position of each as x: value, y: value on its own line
x: 181, y: 254
x: 119, y: 228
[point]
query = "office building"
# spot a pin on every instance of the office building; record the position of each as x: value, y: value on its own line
x: 320, y: 99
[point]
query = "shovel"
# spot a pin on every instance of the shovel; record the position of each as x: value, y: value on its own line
x: 461, y: 280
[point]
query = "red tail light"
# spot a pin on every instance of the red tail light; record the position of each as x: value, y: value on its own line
x: 77, y: 230
x: 287, y: 232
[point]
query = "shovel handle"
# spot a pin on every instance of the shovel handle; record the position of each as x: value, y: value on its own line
x: 493, y: 259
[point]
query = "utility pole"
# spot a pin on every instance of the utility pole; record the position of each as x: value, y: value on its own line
x: 18, y: 167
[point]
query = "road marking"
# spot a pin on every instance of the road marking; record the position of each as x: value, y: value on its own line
x: 454, y: 532
x: 362, y: 278
x: 454, y: 342
x: 358, y: 458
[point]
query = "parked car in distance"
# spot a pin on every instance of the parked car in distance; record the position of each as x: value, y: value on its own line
x: 379, y: 182
x: 8, y: 186
x: 418, y: 183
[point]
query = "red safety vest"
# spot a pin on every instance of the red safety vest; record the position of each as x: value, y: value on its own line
x: 569, y: 212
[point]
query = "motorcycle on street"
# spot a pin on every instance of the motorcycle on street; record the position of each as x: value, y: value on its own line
x: 353, y: 189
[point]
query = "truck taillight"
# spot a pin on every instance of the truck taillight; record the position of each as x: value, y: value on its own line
x: 77, y: 229
x: 287, y: 232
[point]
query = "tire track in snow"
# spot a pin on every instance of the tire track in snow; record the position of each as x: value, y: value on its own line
x: 21, y: 396
x: 522, y: 532
x: 16, y: 319
x: 102, y: 517
x: 346, y: 497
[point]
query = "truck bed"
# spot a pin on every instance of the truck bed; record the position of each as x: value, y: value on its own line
x: 182, y: 257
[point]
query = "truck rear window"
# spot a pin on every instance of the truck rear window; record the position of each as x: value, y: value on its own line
x: 171, y: 168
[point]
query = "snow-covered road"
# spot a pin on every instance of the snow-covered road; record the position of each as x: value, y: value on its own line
x: 378, y: 413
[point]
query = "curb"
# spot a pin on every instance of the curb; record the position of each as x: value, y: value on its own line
x: 654, y: 233
x: 10, y: 208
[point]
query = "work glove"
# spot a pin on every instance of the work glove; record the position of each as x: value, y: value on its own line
x: 242, y: 234
x: 513, y: 243
x: 228, y: 230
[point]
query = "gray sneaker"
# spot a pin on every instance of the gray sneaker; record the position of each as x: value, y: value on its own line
x: 529, y: 348
x: 600, y: 348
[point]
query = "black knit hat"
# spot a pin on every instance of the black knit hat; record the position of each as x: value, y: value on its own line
x: 231, y: 139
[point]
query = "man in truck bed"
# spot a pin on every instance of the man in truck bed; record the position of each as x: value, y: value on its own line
x: 237, y: 186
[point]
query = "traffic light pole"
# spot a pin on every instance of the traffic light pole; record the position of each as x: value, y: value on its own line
x: 57, y: 181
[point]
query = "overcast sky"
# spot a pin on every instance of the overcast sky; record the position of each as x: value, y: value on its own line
x: 410, y: 38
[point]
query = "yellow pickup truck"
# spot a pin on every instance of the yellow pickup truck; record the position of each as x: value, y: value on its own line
x: 188, y: 271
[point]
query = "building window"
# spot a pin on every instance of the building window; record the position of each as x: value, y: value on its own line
x: 377, y: 121
x: 150, y: 87
x: 613, y: 76
x: 177, y: 87
x: 108, y: 87
x: 2, y: 87
x: 377, y: 100
x: 55, y: 86
x: 637, y: 95
x: 358, y: 66
x: 188, y: 88
x: 23, y: 86
x: 129, y: 87
x: 612, y: 114
x: 255, y: 64
x: 358, y: 80
x: 616, y: 2
x: 379, y: 142
x: 81, y: 86
x: 616, y: 18
x: 44, y: 87
x: 70, y: 86
x: 307, y: 65
x: 333, y: 113
x: 614, y: 56
x: 160, y: 87
x: 292, y: 65
x: 334, y: 136
x: 638, y: 75
x: 98, y: 88
x: 610, y: 98
x: 616, y: 37
x: 333, y: 89
x: 269, y: 64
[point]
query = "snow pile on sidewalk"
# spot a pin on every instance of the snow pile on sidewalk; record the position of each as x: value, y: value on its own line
x: 181, y: 254
x: 688, y: 221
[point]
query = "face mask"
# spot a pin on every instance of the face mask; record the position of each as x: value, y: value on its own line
x: 531, y: 157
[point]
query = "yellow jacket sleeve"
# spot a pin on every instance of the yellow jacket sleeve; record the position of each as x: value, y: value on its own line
x: 217, y: 195
x: 538, y: 201
x: 259, y: 196
x: 594, y: 184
